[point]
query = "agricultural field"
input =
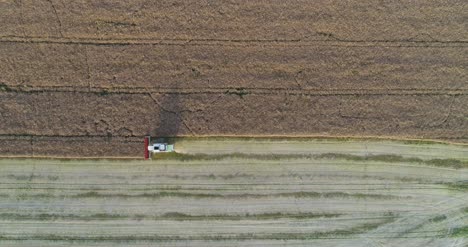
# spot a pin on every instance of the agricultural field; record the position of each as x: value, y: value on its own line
x: 91, y: 78
x: 284, y: 116
x: 238, y: 192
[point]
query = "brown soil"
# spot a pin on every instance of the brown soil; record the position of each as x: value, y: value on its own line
x: 96, y: 76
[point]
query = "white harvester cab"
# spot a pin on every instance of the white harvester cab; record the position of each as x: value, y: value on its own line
x: 161, y: 147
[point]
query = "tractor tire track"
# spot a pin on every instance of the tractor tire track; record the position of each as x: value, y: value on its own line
x: 235, y: 42
x: 234, y: 91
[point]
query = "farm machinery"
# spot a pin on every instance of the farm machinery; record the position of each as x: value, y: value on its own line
x: 160, y: 146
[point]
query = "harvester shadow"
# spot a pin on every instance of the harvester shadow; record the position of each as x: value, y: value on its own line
x: 169, y: 120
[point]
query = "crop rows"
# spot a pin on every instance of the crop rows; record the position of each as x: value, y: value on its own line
x: 117, y: 70
x: 327, y: 201
x: 254, y: 66
x: 237, y: 20
x: 135, y: 115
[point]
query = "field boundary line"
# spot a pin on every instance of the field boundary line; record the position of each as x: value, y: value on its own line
x: 266, y: 137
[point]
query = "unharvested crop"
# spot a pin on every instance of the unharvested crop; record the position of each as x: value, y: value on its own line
x: 108, y: 73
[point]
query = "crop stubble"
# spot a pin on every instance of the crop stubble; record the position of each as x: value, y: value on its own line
x: 316, y: 200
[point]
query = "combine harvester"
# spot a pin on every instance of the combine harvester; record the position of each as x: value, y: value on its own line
x: 157, y: 147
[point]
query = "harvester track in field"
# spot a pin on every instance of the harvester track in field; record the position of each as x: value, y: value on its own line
x: 232, y: 90
x: 234, y: 42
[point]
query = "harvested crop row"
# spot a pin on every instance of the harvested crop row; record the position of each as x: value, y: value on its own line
x: 232, y: 201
